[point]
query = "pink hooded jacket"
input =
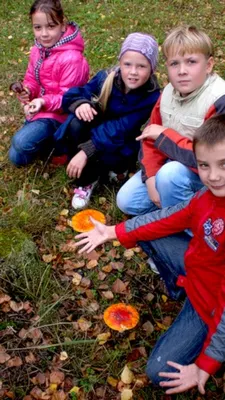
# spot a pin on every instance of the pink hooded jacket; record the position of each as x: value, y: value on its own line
x: 52, y: 71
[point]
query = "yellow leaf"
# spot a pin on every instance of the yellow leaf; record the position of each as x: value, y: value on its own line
x: 126, y: 394
x: 128, y: 254
x: 116, y: 243
x: 112, y: 381
x: 127, y: 375
x: 164, y: 298
x: 161, y: 326
x: 53, y: 387
x: 63, y: 356
x: 75, y: 390
x: 48, y: 258
x: 64, y: 212
x: 76, y: 279
x: 103, y: 337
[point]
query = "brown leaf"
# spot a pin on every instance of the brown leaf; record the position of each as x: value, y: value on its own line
x: 30, y: 358
x: 93, y: 306
x: 68, y: 247
x: 128, y: 254
x: 37, y: 394
x: 108, y: 295
x: 23, y: 333
x: 167, y: 321
x: 118, y: 286
x: 85, y: 282
x: 84, y: 324
x: 92, y: 264
x: 101, y: 276
x: 57, y: 377
x: 35, y: 334
x: 14, y: 362
x: 148, y: 327
x: 4, y: 298
x: 107, y: 268
x: 39, y: 379
x: 17, y: 307
x: 3, y: 356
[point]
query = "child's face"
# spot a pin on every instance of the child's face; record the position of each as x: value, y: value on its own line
x: 45, y: 30
x: 211, y: 166
x: 188, y: 72
x: 135, y: 70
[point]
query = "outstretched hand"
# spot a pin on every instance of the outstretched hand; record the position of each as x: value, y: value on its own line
x: 188, y: 377
x: 99, y: 235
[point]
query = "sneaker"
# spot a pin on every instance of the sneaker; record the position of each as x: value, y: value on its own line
x: 113, y: 177
x: 59, y: 160
x: 152, y: 265
x: 82, y: 195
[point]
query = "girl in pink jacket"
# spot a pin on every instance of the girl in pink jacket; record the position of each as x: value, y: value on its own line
x: 56, y: 64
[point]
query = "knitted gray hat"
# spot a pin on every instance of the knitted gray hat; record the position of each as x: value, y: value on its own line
x: 144, y: 44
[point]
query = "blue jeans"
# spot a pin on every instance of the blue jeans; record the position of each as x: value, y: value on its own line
x: 174, y: 182
x: 183, y: 341
x: 35, y: 137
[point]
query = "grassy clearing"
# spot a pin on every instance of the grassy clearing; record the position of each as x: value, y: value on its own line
x: 31, y: 200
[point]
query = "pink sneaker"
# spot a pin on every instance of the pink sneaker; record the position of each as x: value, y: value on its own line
x: 82, y: 195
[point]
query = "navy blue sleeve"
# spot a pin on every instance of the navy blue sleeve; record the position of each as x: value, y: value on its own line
x: 80, y: 94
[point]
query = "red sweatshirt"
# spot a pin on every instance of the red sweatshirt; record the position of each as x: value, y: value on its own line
x: 204, y: 262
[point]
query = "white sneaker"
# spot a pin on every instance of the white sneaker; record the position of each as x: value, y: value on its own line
x: 113, y: 177
x: 152, y: 265
x: 82, y: 195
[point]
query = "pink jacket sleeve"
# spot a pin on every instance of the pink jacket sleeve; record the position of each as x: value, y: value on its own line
x: 72, y: 71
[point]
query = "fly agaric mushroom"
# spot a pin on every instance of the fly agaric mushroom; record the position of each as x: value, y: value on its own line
x: 81, y: 221
x: 121, y: 317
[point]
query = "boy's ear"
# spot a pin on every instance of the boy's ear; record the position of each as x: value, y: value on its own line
x: 210, y: 65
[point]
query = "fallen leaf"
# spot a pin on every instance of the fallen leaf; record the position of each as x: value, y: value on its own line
x: 53, y: 387
x: 30, y: 358
x: 116, y: 243
x: 164, y: 298
x: 4, y: 298
x: 92, y: 264
x: 126, y: 394
x: 127, y: 375
x: 118, y: 286
x: 161, y: 326
x: 63, y: 356
x: 3, y: 356
x: 148, y: 327
x: 128, y: 254
x: 103, y: 337
x: 75, y: 390
x: 112, y: 381
x: 14, y: 362
x: 48, y: 258
x: 84, y: 324
x: 64, y: 212
x: 108, y: 295
x: 76, y: 279
x: 57, y: 377
x: 107, y: 268
x: 17, y: 307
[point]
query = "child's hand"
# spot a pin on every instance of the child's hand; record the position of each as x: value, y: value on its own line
x: 85, y: 112
x: 99, y: 235
x: 35, y: 105
x: 152, y: 192
x: 187, y: 377
x: 151, y: 132
x: 76, y: 165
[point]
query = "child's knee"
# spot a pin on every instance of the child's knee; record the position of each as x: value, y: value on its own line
x: 122, y: 200
x: 152, y: 371
x: 170, y: 174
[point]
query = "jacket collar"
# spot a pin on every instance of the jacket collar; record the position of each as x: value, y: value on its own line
x: 177, y: 96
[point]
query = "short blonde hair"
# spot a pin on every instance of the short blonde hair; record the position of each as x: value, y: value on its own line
x: 187, y: 39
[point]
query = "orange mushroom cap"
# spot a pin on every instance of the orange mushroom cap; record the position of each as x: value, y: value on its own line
x: 81, y: 221
x: 121, y: 317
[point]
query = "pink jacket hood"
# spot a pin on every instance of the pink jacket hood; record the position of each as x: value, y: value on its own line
x: 53, y: 71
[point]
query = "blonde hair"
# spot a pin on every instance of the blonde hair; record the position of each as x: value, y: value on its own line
x: 187, y: 39
x: 106, y: 90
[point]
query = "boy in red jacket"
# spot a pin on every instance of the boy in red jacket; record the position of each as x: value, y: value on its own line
x: 193, y: 348
x: 194, y: 94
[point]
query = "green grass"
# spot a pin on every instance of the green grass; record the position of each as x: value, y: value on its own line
x: 29, y: 218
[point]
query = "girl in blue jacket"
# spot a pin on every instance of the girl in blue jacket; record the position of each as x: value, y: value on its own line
x: 107, y: 115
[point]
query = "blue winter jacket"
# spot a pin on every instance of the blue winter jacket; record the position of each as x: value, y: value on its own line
x: 124, y: 115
